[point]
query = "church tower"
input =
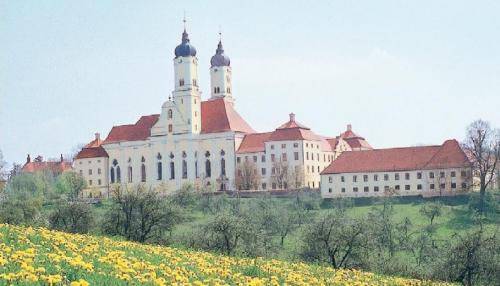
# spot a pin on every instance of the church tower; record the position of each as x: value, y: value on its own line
x: 186, y: 97
x: 220, y: 75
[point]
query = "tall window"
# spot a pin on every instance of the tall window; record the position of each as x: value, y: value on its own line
x: 143, y: 170
x: 170, y: 128
x: 170, y: 114
x: 208, y: 169
x: 172, y: 170
x: 112, y: 175
x: 181, y: 82
x: 118, y: 174
x: 196, y: 169
x: 222, y: 167
x: 129, y: 174
x: 159, y: 170
x: 184, y: 169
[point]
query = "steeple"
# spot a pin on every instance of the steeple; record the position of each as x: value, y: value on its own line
x: 185, y: 49
x: 220, y: 74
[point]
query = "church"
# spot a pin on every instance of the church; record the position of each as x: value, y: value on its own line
x: 205, y: 142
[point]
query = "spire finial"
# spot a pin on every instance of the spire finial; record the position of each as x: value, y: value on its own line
x: 184, y: 20
x: 220, y: 33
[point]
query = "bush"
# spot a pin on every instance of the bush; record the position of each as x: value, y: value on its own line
x: 22, y: 211
x: 72, y: 217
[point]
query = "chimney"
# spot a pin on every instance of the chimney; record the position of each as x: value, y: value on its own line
x: 349, y: 127
x: 62, y: 159
x: 292, y: 117
x: 28, y: 159
x: 97, y: 136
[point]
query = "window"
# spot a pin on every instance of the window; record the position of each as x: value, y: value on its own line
x: 159, y: 171
x: 172, y: 170
x: 463, y: 174
x: 375, y: 189
x: 366, y: 189
x: 318, y: 169
x: 118, y: 174
x: 419, y: 175
x: 441, y: 174
x: 329, y: 190
x: 99, y: 171
x: 442, y: 186
x: 354, y: 178
x: 272, y: 147
x: 196, y: 169
x: 431, y: 186
x: 272, y: 157
x: 283, y: 146
x: 181, y: 82
x: 375, y: 178
x: 407, y: 187
x: 90, y: 182
x: 274, y: 186
x: 386, y: 188
x: 263, y: 171
x: 111, y: 175
x: 170, y: 114
x: 208, y: 169
x: 223, y: 166
x: 396, y: 176
x: 255, y: 159
x: 397, y: 188
x: 90, y: 171
x: 342, y: 179
x: 273, y: 170
x: 464, y: 186
x: 386, y: 177
x: 330, y: 179
x: 343, y: 190
x: 365, y: 178
x: 263, y: 158
x: 307, y: 155
x: 170, y: 128
x: 194, y: 82
x: 317, y: 157
x: 431, y: 175
x: 283, y: 157
x: 407, y: 176
x: 453, y: 185
x: 129, y: 174
x: 355, y: 189
x: 296, y: 155
x: 324, y: 157
x: 238, y: 159
x: 453, y: 174
x: 99, y: 182
x: 143, y: 173
x: 184, y: 169
x: 264, y: 186
x: 295, y: 145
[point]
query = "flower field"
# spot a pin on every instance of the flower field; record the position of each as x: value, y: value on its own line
x: 37, y: 256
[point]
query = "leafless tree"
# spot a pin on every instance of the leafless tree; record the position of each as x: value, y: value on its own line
x: 247, y: 176
x: 281, y: 174
x: 482, y: 144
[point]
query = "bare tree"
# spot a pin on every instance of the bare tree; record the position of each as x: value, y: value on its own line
x: 247, y: 176
x: 281, y: 174
x: 483, y: 146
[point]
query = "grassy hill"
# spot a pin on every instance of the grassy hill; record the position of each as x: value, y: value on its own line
x: 37, y: 256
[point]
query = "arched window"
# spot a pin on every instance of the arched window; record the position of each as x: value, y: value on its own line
x: 184, y: 169
x: 159, y: 169
x: 215, y: 90
x: 129, y: 174
x: 170, y: 114
x: 208, y: 169
x: 112, y: 175
x: 222, y: 167
x: 143, y: 173
x: 118, y: 174
x: 172, y: 170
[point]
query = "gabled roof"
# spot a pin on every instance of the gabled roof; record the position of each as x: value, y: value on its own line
x: 254, y: 142
x: 93, y: 152
x: 448, y: 155
x: 56, y: 166
x: 218, y: 115
x: 141, y: 130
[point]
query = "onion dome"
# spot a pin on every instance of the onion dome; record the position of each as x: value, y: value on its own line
x: 185, y: 49
x: 220, y: 59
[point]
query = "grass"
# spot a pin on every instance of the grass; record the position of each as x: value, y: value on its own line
x: 37, y: 256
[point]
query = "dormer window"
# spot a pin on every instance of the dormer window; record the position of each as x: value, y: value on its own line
x: 181, y: 82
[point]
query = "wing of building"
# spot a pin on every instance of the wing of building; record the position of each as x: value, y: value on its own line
x: 39, y: 165
x: 203, y: 141
x: 424, y: 170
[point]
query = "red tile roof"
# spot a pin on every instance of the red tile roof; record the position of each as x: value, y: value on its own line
x: 219, y: 115
x: 56, y: 167
x: 448, y: 155
x: 92, y: 152
x: 141, y: 130
x: 254, y: 142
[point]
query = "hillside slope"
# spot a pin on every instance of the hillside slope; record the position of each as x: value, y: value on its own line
x: 43, y: 257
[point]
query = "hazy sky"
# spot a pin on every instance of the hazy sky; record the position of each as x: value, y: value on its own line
x: 402, y: 73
